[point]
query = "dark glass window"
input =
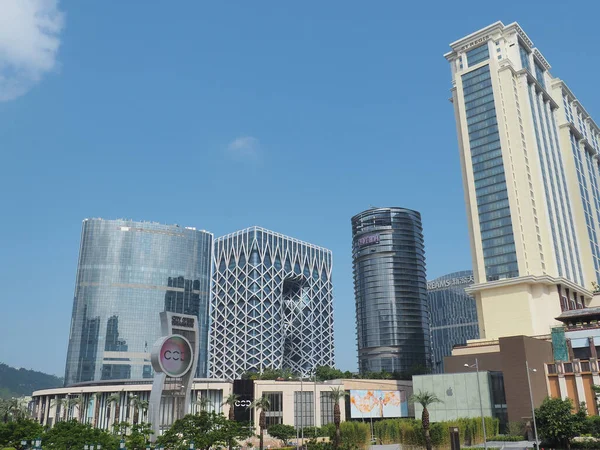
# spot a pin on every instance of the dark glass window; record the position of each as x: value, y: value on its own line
x: 303, y: 409
x: 490, y: 182
x: 275, y: 414
x: 327, y: 405
x: 524, y: 58
x: 478, y: 54
x: 499, y: 408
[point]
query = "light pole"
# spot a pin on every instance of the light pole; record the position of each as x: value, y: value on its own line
x: 315, y: 401
x: 302, y: 407
x: 297, y: 429
x: 537, y: 442
x: 476, y: 365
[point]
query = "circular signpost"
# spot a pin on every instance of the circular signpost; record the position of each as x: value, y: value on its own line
x: 172, y: 355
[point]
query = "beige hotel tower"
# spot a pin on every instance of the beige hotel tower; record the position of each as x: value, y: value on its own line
x: 529, y: 156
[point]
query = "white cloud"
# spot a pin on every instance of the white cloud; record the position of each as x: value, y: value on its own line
x: 244, y: 148
x: 29, y: 42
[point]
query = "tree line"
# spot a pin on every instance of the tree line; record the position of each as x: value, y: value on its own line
x: 326, y: 373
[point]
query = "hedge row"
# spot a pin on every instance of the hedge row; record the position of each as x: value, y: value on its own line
x: 353, y: 434
x: 410, y: 432
x: 505, y: 438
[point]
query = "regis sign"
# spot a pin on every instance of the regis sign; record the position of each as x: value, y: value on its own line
x: 172, y: 355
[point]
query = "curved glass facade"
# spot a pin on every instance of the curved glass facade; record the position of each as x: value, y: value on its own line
x: 390, y: 288
x: 453, y: 315
x: 128, y: 273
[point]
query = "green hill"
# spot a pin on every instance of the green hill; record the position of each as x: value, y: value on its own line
x: 20, y: 382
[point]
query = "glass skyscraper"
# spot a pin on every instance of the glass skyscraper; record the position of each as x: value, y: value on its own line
x: 529, y: 156
x: 453, y: 315
x: 390, y: 288
x: 128, y: 273
x: 272, y: 304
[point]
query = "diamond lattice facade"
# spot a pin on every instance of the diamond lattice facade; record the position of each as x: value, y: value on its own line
x: 272, y: 304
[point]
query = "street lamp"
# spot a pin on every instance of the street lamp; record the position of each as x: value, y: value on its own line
x: 476, y: 366
x: 302, y: 407
x: 537, y: 442
x: 122, y: 444
x: 315, y: 400
x: 297, y: 429
x: 38, y: 443
x: 191, y: 445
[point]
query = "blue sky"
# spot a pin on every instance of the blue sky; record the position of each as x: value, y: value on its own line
x: 220, y: 115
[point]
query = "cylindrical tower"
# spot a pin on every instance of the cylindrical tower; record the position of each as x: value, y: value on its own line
x: 128, y: 273
x: 390, y: 287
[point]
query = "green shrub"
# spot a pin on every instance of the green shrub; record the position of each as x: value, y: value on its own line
x: 312, y: 432
x: 592, y: 426
x: 516, y: 429
x: 410, y: 431
x: 282, y: 432
x: 505, y: 438
x: 353, y: 434
x: 587, y: 444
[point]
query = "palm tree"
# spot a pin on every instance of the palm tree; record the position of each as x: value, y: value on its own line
x: 4, y: 410
x: 230, y: 400
x: 203, y: 403
x: 97, y: 397
x: 134, y: 402
x: 138, y: 405
x: 61, y: 405
x: 13, y: 409
x: 425, y: 399
x: 263, y: 404
x: 17, y: 409
x: 144, y: 408
x: 76, y: 401
x: 116, y: 399
x: 336, y: 395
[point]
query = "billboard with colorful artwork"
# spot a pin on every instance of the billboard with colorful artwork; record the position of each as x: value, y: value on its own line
x: 378, y: 404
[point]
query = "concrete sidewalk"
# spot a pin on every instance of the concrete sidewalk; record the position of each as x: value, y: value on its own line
x: 521, y: 445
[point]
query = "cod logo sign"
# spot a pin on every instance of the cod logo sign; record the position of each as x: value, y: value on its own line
x: 174, y: 356
x: 243, y: 403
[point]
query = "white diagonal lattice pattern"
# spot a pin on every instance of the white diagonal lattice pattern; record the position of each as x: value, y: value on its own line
x: 272, y: 304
